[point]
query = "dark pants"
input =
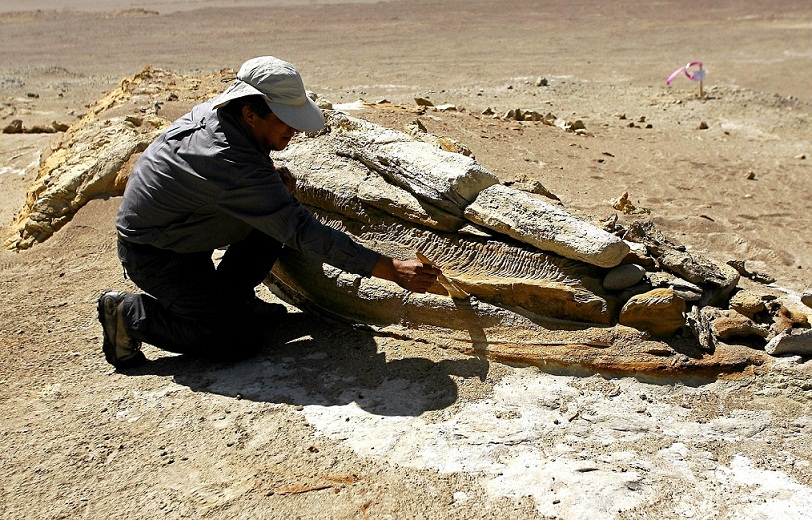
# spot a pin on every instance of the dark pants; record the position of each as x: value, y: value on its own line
x: 193, y: 308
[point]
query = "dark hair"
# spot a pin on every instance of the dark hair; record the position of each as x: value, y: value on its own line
x: 255, y: 104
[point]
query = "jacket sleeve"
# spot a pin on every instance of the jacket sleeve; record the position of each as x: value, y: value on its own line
x: 268, y: 206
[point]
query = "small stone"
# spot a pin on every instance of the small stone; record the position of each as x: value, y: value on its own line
x: 14, y: 127
x: 447, y: 107
x: 623, y: 276
x: 423, y: 102
x: 33, y: 95
x: 763, y: 278
x: 801, y: 157
x: 806, y: 298
x: 751, y: 176
x: 541, y: 82
x: 702, y: 126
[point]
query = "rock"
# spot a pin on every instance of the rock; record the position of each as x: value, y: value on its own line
x: 544, y: 226
x: 623, y: 276
x: 806, y: 298
x: 446, y: 107
x: 14, y: 127
x: 418, y: 130
x: 59, y: 127
x: 541, y: 82
x: 702, y: 126
x: 640, y: 288
x: 659, y: 312
x: 793, y: 341
x: 764, y: 278
x: 623, y: 204
x: 528, y: 184
x: 423, y: 102
x: 700, y: 322
x: 739, y: 266
x: 747, y: 303
x: 40, y: 129
x: 531, y: 115
x: 659, y: 279
x: 731, y: 324
x: 577, y: 125
x: 686, y: 290
x: 718, y: 280
x: 785, y: 319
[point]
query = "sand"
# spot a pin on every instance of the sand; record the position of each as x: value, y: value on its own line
x: 337, y: 422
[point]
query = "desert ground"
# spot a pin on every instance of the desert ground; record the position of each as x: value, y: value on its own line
x: 335, y: 421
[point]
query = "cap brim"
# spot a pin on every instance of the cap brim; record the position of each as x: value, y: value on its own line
x: 236, y: 90
x: 306, y: 117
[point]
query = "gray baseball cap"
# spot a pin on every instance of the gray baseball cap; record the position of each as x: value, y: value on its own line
x: 281, y: 85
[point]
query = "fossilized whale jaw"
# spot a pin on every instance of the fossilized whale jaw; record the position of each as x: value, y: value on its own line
x: 532, y: 270
x: 399, y: 196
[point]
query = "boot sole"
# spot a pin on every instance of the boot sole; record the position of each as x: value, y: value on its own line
x: 109, y: 344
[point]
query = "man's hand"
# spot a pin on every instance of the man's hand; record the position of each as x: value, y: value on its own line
x: 413, y: 275
x: 288, y: 179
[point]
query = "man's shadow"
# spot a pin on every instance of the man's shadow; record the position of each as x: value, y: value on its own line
x: 308, y: 360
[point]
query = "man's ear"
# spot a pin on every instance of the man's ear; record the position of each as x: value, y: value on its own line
x: 249, y: 116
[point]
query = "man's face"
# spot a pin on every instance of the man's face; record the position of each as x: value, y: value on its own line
x: 271, y: 131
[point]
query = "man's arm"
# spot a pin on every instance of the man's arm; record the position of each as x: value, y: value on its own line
x: 413, y: 275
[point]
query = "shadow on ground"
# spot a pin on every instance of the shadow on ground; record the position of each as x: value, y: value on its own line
x: 310, y: 361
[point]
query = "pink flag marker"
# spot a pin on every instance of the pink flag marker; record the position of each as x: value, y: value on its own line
x: 697, y: 75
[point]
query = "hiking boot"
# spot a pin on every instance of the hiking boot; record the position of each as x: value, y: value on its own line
x: 120, y: 350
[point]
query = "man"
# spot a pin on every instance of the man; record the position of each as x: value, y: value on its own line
x: 208, y: 182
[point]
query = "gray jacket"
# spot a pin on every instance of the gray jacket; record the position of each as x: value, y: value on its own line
x: 204, y: 184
